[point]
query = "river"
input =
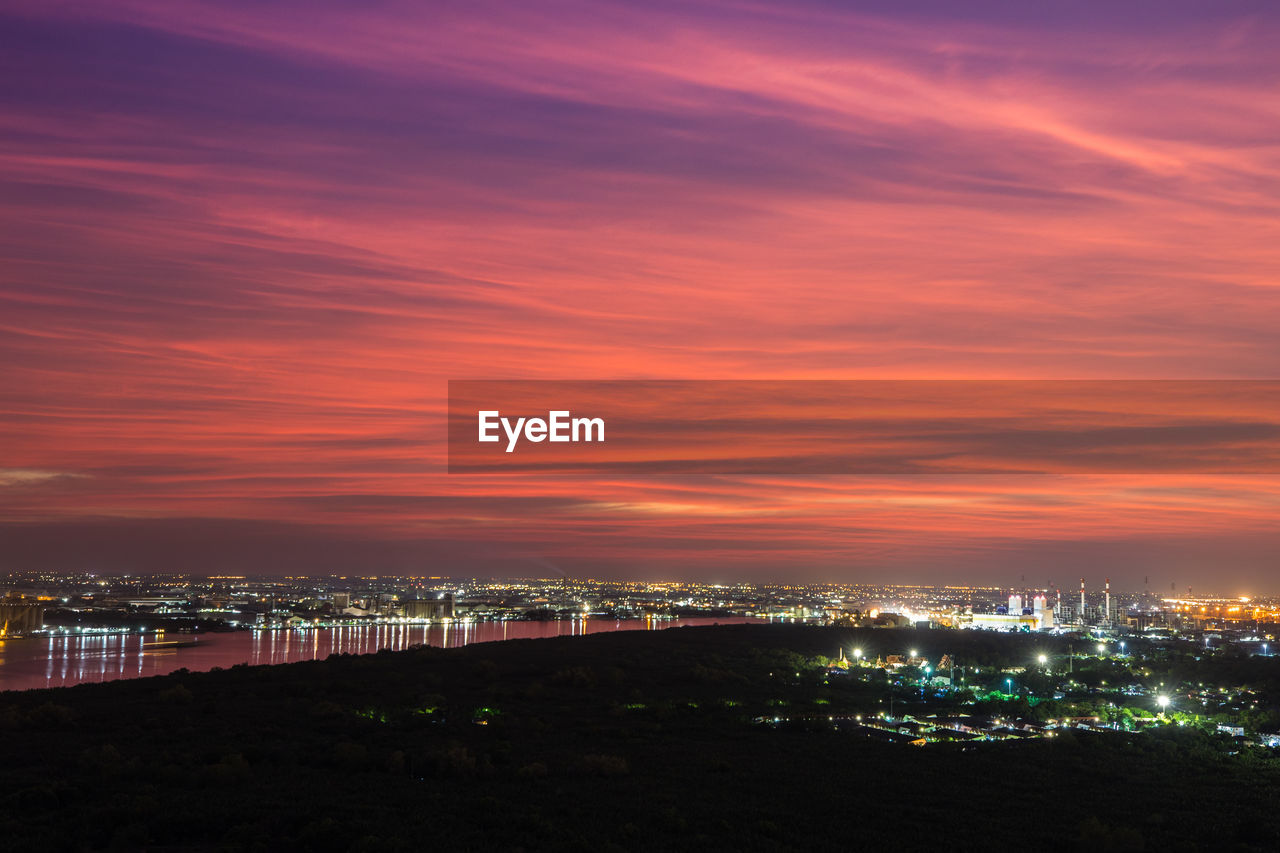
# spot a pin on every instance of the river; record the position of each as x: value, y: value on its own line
x: 66, y: 659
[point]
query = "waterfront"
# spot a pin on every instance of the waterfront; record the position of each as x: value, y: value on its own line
x: 68, y: 659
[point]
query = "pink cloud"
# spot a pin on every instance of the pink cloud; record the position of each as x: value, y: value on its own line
x: 246, y: 247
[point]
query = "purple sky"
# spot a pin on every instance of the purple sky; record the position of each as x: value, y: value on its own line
x: 245, y: 245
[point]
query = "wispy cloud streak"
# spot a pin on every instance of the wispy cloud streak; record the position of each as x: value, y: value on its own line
x: 244, y: 246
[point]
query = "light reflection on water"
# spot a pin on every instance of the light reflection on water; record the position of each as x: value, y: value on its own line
x: 73, y: 659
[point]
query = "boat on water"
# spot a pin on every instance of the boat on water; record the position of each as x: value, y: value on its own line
x: 161, y: 645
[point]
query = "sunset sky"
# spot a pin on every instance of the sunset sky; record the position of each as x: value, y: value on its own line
x: 244, y: 246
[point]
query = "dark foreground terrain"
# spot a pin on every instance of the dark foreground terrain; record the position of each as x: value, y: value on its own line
x: 622, y: 741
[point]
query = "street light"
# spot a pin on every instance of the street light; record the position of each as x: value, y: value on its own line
x: 1122, y: 647
x: 857, y: 655
x: 1044, y: 659
x: 913, y: 652
x: 1101, y: 648
x: 1008, y: 686
x: 1163, y: 702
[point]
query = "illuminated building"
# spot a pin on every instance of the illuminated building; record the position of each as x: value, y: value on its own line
x: 429, y: 608
x: 18, y: 617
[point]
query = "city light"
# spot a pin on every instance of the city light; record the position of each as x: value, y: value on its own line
x: 904, y: 320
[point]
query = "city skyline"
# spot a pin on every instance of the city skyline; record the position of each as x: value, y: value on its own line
x: 246, y: 247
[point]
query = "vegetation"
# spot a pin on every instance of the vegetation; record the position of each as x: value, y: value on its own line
x: 631, y: 740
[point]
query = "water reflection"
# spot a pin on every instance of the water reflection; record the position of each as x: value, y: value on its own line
x: 64, y: 660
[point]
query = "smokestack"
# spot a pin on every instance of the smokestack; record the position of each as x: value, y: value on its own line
x: 1081, y: 599
x: 1107, y: 612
